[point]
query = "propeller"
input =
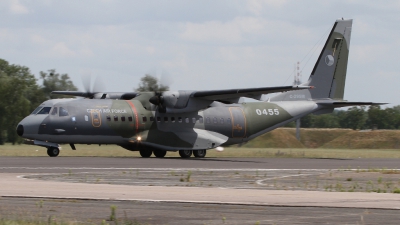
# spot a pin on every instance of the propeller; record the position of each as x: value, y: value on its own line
x: 162, y: 85
x: 98, y: 87
x: 158, y: 100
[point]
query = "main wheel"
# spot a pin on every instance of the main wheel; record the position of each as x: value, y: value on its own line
x: 145, y: 153
x: 159, y: 153
x: 53, y: 151
x: 185, y: 153
x: 199, y: 153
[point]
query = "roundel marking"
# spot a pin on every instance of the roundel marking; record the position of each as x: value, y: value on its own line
x: 329, y: 60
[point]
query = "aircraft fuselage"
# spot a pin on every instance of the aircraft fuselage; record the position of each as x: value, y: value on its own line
x: 129, y: 124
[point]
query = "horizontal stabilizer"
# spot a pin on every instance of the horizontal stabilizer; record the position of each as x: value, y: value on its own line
x: 339, y: 104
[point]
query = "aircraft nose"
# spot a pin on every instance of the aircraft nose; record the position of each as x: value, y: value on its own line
x: 28, y: 127
x: 20, y: 130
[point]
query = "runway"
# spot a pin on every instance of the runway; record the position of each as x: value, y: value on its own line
x: 223, y: 183
x: 61, y: 164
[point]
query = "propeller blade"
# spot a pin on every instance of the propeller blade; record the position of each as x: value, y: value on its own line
x: 99, y: 85
x: 165, y: 80
x: 86, y: 81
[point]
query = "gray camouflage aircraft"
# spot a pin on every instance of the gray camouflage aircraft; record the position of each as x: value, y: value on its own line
x: 190, y: 122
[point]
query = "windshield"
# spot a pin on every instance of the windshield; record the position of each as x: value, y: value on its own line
x: 45, y: 110
x: 37, y: 110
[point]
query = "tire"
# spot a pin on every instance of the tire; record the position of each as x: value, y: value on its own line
x: 53, y: 151
x: 145, y: 153
x: 159, y: 153
x: 199, y: 153
x: 185, y: 153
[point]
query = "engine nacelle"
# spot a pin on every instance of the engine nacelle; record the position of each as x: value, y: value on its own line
x: 175, y: 99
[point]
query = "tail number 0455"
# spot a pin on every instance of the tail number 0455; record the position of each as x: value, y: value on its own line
x: 267, y: 112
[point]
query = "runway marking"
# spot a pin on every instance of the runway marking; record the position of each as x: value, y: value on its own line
x: 260, y: 182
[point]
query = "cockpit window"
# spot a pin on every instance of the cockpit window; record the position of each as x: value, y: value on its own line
x: 37, y: 110
x: 63, y: 112
x: 45, y: 110
x: 54, y: 111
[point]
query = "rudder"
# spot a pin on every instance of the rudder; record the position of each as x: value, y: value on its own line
x: 329, y: 73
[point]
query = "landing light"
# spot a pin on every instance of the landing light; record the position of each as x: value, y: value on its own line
x: 139, y: 138
x: 219, y: 149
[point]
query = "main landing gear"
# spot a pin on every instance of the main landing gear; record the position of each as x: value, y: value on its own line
x: 185, y: 153
x: 146, y: 153
x: 53, y: 151
x: 197, y: 153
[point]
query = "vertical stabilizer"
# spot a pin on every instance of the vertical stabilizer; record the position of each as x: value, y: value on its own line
x: 329, y: 73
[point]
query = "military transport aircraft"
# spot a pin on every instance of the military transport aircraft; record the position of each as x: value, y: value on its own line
x: 190, y: 122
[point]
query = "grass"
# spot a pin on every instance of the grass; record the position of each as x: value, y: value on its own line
x: 116, y: 151
x: 41, y: 218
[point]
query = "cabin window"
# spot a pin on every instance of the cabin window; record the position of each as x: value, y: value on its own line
x: 228, y: 120
x: 123, y: 118
x: 108, y: 118
x: 208, y: 120
x: 215, y: 120
x: 186, y: 120
x: 166, y: 119
x: 55, y: 111
x: 86, y: 118
x: 201, y: 120
x: 158, y: 119
x: 151, y: 118
x: 194, y: 120
x: 45, y: 110
x: 115, y: 118
x: 37, y: 110
x: 63, y: 112
x: 173, y: 119
x: 144, y: 119
x: 221, y: 121
x: 180, y: 119
x: 130, y: 118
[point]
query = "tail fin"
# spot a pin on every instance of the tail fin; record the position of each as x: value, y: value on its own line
x: 329, y: 73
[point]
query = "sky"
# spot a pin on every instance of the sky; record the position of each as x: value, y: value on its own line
x: 202, y: 45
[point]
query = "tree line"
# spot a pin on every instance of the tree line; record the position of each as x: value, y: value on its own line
x: 21, y: 93
x: 372, y: 117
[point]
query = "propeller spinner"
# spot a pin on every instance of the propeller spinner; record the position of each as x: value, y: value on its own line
x: 158, y: 100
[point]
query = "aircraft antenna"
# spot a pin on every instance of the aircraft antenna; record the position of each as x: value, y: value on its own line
x: 297, y: 75
x: 297, y: 81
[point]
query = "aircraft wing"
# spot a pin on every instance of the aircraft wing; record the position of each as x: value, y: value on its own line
x: 98, y: 95
x: 256, y: 93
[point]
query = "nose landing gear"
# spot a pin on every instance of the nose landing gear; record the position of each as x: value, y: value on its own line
x: 53, y: 151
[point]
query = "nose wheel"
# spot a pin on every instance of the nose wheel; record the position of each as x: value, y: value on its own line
x: 53, y: 151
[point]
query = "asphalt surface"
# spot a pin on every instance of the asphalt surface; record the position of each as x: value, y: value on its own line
x: 231, y: 199
x: 89, y: 211
x: 63, y: 164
